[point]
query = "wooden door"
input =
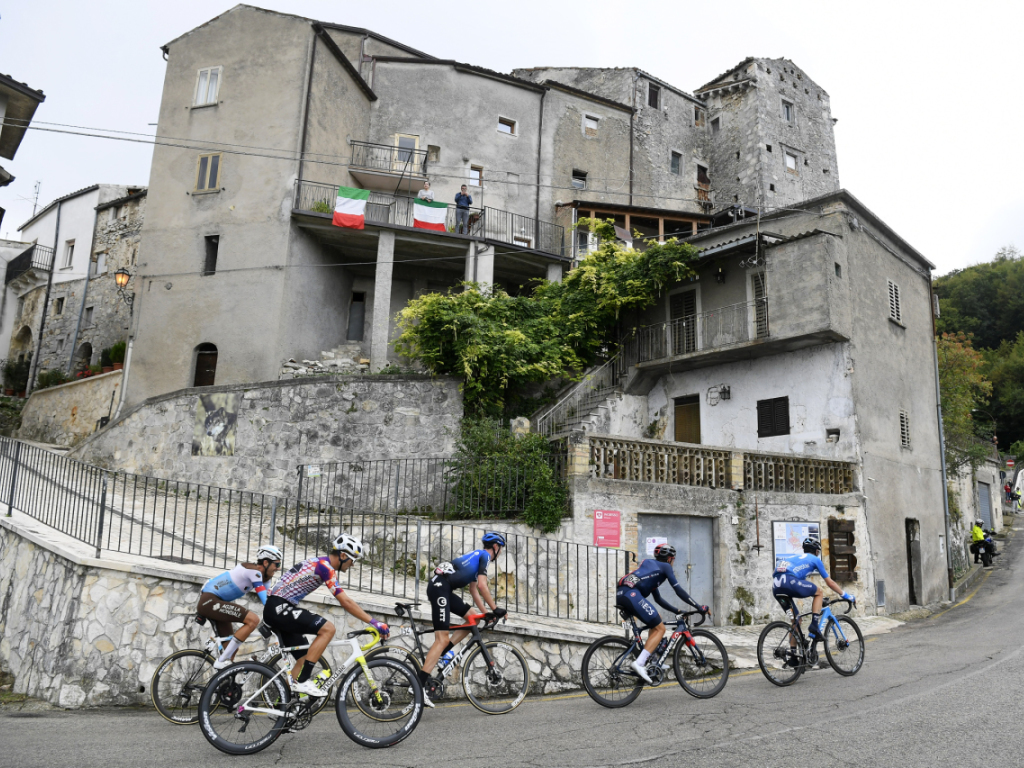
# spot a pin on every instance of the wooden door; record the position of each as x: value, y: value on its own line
x: 688, y: 419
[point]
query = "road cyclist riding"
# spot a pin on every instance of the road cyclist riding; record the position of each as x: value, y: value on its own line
x: 783, y: 651
x: 615, y: 668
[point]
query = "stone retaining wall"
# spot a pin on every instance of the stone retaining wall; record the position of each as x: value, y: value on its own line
x: 67, y: 414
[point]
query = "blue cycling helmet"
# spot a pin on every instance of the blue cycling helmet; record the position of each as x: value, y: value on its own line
x: 493, y: 538
x: 811, y: 545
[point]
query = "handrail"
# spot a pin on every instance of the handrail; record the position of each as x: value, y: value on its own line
x: 388, y: 158
x: 37, y: 257
x: 596, y: 384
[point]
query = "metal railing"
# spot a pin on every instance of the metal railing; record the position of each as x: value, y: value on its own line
x: 716, y: 329
x: 582, y: 400
x: 652, y: 462
x: 192, y: 523
x: 388, y: 159
x: 37, y: 257
x: 489, y: 223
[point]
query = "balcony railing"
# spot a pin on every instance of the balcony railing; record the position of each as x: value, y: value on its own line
x: 37, y: 257
x: 389, y: 159
x: 580, y: 401
x: 489, y: 223
x: 704, y: 332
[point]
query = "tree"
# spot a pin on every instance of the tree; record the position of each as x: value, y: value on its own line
x: 964, y: 388
x: 499, y: 344
x: 1005, y: 368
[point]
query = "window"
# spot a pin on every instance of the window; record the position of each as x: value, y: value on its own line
x: 677, y: 163
x: 60, y: 345
x: 522, y: 240
x: 787, y: 111
x: 757, y: 290
x: 69, y: 254
x: 895, y: 311
x: 583, y: 242
x: 99, y: 266
x: 768, y: 147
x: 58, y: 306
x: 506, y: 126
x: 716, y: 125
x: 771, y: 187
x: 698, y: 117
x: 212, y: 243
x: 206, y: 365
x: 904, y: 429
x: 207, y: 173
x: 590, y: 126
x: 356, y: 316
x: 207, y: 87
x: 842, y: 550
x: 404, y: 157
x: 21, y: 305
x: 653, y: 96
x: 773, y: 417
x: 702, y: 175
x: 839, y: 269
x: 476, y: 176
x: 790, y: 163
x: 433, y: 154
x: 88, y: 316
x: 579, y: 179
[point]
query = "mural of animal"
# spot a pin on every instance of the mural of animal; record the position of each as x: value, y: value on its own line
x: 217, y: 435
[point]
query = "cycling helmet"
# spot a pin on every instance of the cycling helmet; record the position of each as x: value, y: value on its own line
x: 811, y: 545
x: 269, y: 552
x: 348, y: 545
x: 491, y: 537
x: 663, y: 552
x: 979, y: 523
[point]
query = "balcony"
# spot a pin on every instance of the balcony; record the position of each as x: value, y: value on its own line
x: 37, y: 259
x: 484, y: 223
x: 382, y: 166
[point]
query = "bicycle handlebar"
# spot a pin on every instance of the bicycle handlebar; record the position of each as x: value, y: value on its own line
x: 832, y: 601
x: 703, y: 616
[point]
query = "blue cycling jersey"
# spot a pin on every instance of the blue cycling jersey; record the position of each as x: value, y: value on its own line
x: 650, y: 575
x: 468, y: 567
x: 232, y: 584
x: 801, y: 566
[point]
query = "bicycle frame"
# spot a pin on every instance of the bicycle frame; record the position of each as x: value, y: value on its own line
x: 472, y: 624
x: 826, y: 621
x: 681, y: 632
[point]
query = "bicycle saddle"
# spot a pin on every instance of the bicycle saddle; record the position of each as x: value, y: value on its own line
x: 402, y: 608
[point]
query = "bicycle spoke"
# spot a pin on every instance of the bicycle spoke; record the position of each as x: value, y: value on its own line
x: 498, y: 687
x: 779, y: 654
x: 178, y: 685
x: 606, y: 673
x: 384, y: 713
x: 226, y: 715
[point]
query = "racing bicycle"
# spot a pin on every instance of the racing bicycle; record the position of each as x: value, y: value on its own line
x: 784, y: 652
x: 180, y: 679
x: 248, y: 705
x: 495, y: 675
x: 699, y: 659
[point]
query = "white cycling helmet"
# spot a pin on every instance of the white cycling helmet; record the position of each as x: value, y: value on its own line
x: 349, y: 545
x: 269, y: 552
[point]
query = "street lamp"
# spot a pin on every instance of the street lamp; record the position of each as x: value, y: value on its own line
x: 995, y: 439
x: 121, y: 277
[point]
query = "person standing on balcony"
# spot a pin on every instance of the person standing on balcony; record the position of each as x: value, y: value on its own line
x: 426, y: 193
x: 462, y: 203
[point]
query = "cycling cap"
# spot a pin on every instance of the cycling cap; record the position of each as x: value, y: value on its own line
x: 664, y: 551
x: 348, y: 545
x: 811, y: 545
x: 269, y: 552
x: 493, y: 538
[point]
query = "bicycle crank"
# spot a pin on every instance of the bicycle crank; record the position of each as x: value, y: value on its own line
x: 656, y: 673
x: 299, y: 714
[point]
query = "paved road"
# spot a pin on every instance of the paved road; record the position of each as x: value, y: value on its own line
x: 943, y: 691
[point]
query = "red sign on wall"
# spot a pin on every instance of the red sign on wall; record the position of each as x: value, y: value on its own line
x: 606, y: 528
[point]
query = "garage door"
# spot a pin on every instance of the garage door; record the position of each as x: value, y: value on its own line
x: 694, y: 566
x: 985, y: 499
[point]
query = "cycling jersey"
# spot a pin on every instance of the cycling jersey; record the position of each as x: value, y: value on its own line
x: 801, y: 566
x: 467, y: 568
x: 302, y: 578
x: 232, y: 584
x: 650, y: 575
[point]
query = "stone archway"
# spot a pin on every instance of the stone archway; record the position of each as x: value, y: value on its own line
x: 21, y: 345
x: 83, y: 357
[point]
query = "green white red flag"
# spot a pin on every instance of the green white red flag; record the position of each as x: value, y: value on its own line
x: 350, y: 208
x: 429, y: 215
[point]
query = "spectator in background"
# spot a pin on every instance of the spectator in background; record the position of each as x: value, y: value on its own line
x: 426, y: 193
x: 462, y: 203
x: 1009, y: 490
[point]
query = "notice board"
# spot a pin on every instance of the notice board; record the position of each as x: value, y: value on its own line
x: 606, y: 528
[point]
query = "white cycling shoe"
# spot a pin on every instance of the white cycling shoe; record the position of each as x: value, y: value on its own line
x: 426, y: 699
x: 309, y: 688
x: 640, y: 670
x: 219, y: 665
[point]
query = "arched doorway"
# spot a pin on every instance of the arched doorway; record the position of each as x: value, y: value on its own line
x: 21, y: 345
x: 83, y: 357
x: 206, y: 365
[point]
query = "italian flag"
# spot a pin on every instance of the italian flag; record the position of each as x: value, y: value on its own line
x: 428, y: 215
x: 350, y: 209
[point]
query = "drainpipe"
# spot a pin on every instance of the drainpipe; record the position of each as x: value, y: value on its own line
x: 81, y: 311
x: 942, y: 452
x: 305, y: 111
x: 632, y: 121
x: 34, y: 368
x: 540, y: 147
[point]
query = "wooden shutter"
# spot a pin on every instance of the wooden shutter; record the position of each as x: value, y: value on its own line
x: 773, y: 417
x: 688, y: 420
x: 895, y: 311
x: 842, y: 550
x: 760, y: 305
x: 682, y: 308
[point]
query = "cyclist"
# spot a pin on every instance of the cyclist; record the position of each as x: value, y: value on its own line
x: 636, y: 587
x: 468, y: 569
x: 215, y: 599
x: 790, y: 580
x: 292, y: 623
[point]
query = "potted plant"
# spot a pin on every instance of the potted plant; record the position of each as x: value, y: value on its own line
x: 117, y: 354
x: 8, y: 367
x: 20, y: 378
x: 105, y: 362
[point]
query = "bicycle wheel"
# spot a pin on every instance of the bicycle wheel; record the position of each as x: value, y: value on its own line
x: 845, y: 656
x: 703, y: 668
x: 500, y: 687
x: 319, y: 702
x: 396, y: 652
x: 778, y: 655
x: 178, y: 683
x: 251, y: 686
x: 384, y: 717
x: 606, y: 675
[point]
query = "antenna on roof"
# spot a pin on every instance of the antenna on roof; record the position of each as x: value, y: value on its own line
x: 35, y: 199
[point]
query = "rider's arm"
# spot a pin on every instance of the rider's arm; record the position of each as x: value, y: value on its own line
x: 656, y: 594
x: 261, y: 593
x: 478, y: 590
x: 828, y: 580
x: 683, y: 594
x: 351, y: 606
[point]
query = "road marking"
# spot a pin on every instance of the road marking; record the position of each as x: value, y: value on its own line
x: 966, y: 599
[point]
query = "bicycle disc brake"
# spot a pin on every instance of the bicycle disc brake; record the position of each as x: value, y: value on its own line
x: 230, y: 693
x: 378, y: 701
x: 434, y: 688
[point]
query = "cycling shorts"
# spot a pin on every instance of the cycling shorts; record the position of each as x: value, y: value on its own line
x: 635, y: 604
x: 221, y: 613
x: 788, y: 585
x: 290, y: 623
x: 444, y: 602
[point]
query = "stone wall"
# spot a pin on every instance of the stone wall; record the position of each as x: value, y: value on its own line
x: 281, y: 424
x: 67, y: 414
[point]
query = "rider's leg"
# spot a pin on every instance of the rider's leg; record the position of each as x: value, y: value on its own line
x: 316, y: 649
x: 440, y: 642
x: 248, y: 625
x: 653, y: 638
x: 819, y: 598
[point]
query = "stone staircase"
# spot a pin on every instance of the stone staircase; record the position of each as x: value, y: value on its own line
x: 342, y: 360
x: 585, y: 406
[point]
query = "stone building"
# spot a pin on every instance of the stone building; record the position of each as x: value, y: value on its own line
x: 18, y: 104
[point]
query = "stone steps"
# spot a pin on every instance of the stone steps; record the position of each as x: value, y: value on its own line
x: 343, y: 359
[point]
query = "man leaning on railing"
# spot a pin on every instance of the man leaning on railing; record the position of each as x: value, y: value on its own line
x: 462, y: 203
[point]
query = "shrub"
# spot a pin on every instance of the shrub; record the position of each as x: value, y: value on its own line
x: 51, y: 378
x: 105, y: 361
x: 16, y: 374
x: 117, y: 352
x: 321, y: 206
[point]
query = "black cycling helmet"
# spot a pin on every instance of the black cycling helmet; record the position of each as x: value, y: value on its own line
x: 491, y: 537
x: 663, y: 552
x: 811, y: 545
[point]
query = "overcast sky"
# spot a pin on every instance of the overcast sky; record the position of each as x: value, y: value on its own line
x: 929, y: 116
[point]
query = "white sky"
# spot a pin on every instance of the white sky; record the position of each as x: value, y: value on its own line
x: 928, y: 111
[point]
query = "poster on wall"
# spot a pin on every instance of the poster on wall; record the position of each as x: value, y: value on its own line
x: 216, y: 417
x: 788, y: 536
x: 653, y: 542
x: 606, y: 528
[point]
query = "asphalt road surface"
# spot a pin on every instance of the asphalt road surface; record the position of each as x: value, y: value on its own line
x: 946, y: 690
